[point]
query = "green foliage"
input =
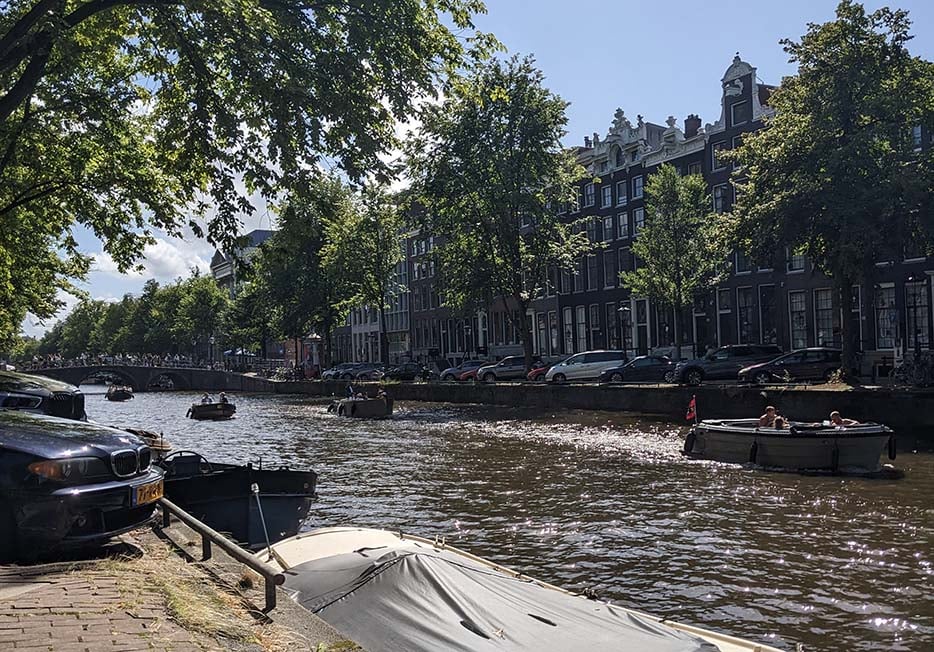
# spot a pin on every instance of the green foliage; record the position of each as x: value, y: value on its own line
x: 363, y: 247
x: 246, y: 322
x: 124, y: 116
x: 490, y: 171
x: 834, y: 175
x: 201, y: 309
x: 678, y: 252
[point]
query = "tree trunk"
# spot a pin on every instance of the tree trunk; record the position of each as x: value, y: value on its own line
x: 679, y: 325
x: 383, y: 337
x: 848, y: 355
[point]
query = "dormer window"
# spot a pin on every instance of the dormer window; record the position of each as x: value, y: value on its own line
x: 635, y: 155
x: 739, y: 113
x: 620, y: 158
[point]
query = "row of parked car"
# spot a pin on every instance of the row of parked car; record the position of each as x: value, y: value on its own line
x: 750, y: 363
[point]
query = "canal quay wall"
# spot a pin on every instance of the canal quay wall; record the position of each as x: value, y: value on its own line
x: 909, y: 412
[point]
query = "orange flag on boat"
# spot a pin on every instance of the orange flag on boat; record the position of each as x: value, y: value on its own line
x: 692, y: 410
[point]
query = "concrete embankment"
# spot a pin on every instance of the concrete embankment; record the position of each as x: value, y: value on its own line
x: 909, y: 412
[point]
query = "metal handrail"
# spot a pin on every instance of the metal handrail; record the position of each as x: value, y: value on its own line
x: 271, y: 575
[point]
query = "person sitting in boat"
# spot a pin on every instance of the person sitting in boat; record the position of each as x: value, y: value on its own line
x: 381, y: 393
x: 767, y: 420
x: 206, y: 399
x: 223, y: 398
x: 837, y: 420
x: 350, y: 392
x: 780, y: 422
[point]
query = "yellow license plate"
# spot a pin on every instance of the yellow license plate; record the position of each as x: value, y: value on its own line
x: 148, y: 492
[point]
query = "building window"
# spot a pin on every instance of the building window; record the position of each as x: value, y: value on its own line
x: 568, y: 330
x: 581, y: 328
x: 623, y: 221
x: 594, y: 324
x: 740, y: 113
x: 579, y: 276
x: 619, y: 157
x: 638, y: 218
x: 724, y: 300
x: 826, y: 322
x: 578, y: 200
x: 612, y: 327
x: 591, y: 227
x: 621, y: 195
x: 795, y: 262
x: 609, y: 269
x: 567, y: 283
x: 592, y: 272
x: 589, y: 196
x: 916, y: 308
x: 720, y: 198
x: 694, y: 168
x: 607, y: 228
x: 744, y: 313
x: 637, y: 187
x: 768, y: 322
x: 715, y: 162
x: 886, y: 318
x: 607, y: 195
x: 916, y: 140
x: 625, y: 259
x: 743, y: 264
x: 797, y: 316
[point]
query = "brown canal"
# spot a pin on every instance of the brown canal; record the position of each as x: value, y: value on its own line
x: 605, y: 502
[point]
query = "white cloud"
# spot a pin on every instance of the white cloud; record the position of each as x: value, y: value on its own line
x: 163, y: 260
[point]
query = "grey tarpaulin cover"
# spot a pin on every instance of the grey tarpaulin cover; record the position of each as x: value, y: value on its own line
x: 430, y: 599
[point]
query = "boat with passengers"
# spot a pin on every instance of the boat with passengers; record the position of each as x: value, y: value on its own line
x: 823, y: 446
x: 422, y: 595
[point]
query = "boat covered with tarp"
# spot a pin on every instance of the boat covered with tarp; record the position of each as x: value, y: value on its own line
x: 390, y: 591
x: 211, y: 411
x: 799, y: 446
x: 222, y: 495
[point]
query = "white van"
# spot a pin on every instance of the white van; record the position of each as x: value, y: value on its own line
x: 585, y: 366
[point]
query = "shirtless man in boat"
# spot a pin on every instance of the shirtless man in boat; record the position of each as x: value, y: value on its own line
x: 767, y: 420
x: 837, y: 420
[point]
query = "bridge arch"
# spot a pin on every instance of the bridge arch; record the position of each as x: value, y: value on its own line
x: 179, y: 380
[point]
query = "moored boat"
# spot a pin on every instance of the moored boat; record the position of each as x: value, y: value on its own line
x: 801, y: 446
x: 211, y: 411
x: 418, y: 594
x: 119, y: 393
x: 221, y: 495
x: 363, y: 408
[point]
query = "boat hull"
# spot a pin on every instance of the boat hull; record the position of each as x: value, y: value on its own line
x: 212, y: 411
x: 856, y: 448
x: 221, y: 496
x: 119, y: 395
x: 366, y: 408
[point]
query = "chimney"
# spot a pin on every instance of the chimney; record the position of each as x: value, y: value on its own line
x: 586, y: 141
x: 692, y: 124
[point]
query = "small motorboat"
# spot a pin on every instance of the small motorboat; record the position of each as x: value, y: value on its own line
x: 363, y: 408
x: 801, y: 446
x: 222, y: 496
x: 211, y: 411
x: 392, y: 591
x: 119, y: 393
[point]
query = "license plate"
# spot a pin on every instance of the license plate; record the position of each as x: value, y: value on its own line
x: 147, y: 493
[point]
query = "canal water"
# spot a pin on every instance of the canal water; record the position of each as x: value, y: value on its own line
x: 605, y: 502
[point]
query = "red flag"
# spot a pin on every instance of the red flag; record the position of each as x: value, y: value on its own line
x: 692, y: 410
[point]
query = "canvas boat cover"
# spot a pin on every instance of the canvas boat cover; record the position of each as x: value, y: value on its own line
x: 420, y: 597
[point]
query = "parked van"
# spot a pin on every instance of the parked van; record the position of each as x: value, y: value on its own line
x: 585, y: 366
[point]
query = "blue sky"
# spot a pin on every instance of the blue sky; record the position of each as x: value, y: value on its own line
x: 654, y: 60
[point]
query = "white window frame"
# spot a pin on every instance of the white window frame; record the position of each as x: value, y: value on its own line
x: 723, y: 197
x: 622, y: 197
x: 641, y: 187
x: 590, y: 195
x: 788, y: 258
x: 713, y: 155
x: 733, y: 106
x: 638, y: 224
x: 606, y: 196
x: 610, y: 283
x: 622, y: 226
x: 608, y: 236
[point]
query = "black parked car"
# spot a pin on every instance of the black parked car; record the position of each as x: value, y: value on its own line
x: 724, y: 363
x: 645, y: 368
x: 42, y: 395
x: 816, y: 363
x: 66, y: 483
x: 407, y: 371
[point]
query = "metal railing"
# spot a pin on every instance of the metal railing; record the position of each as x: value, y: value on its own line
x: 271, y: 575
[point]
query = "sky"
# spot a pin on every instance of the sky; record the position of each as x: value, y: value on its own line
x: 654, y: 60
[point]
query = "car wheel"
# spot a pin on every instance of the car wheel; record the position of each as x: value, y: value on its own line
x: 559, y: 378
x: 489, y: 378
x: 669, y: 377
x: 7, y: 535
x: 449, y: 377
x: 616, y: 378
x: 694, y: 377
x: 346, y: 377
x: 829, y: 374
x: 761, y: 378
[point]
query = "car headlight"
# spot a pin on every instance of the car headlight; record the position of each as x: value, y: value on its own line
x: 73, y: 469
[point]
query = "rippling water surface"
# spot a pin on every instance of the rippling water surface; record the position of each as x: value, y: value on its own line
x: 605, y: 501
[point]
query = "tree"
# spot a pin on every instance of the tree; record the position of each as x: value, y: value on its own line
x: 363, y: 248
x: 834, y: 174
x: 78, y: 326
x: 678, y: 251
x: 490, y: 170
x: 200, y: 311
x: 129, y: 115
x: 246, y: 321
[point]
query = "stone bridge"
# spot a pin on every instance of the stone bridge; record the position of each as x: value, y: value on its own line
x: 141, y: 378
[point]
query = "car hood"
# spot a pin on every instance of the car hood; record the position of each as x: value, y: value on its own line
x: 51, y: 437
x: 11, y: 381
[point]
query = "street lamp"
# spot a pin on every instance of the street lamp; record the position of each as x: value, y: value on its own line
x: 625, y: 327
x: 211, y: 351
